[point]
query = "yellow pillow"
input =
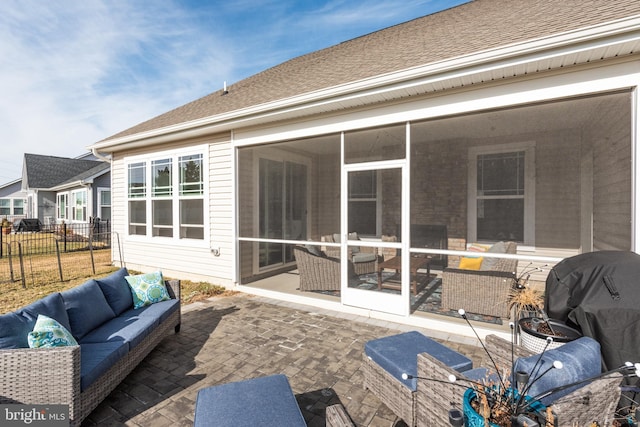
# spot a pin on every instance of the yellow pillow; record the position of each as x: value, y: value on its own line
x: 469, y: 263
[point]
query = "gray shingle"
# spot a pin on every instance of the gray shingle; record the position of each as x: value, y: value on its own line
x: 50, y: 171
x: 462, y: 30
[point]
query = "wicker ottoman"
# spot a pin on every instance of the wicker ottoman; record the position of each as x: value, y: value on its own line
x: 387, y: 359
x: 265, y: 401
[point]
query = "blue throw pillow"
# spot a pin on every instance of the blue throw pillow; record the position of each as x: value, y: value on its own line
x: 147, y: 289
x: 87, y: 308
x: 49, y: 333
x: 116, y: 291
x: 15, y: 327
x: 580, y: 359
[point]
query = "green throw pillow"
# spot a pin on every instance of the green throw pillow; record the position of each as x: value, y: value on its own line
x: 47, y: 332
x: 147, y: 289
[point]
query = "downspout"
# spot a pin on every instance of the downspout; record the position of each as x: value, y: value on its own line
x: 102, y: 157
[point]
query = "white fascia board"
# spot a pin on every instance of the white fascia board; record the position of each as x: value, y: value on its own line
x: 610, y: 33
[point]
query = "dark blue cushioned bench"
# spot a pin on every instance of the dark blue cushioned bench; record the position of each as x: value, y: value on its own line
x: 259, y: 402
x: 397, y: 354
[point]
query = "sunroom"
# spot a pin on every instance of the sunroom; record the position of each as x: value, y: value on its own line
x: 554, y: 177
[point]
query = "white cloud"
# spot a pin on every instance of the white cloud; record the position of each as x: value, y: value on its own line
x: 74, y: 74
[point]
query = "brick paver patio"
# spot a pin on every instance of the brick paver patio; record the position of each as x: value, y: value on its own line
x: 238, y: 337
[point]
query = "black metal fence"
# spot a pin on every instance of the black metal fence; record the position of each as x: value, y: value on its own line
x: 31, y: 237
x: 52, y: 254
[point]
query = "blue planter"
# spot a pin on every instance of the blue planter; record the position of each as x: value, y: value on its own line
x: 473, y: 419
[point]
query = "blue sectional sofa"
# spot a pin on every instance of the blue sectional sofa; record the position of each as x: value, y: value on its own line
x: 112, y: 338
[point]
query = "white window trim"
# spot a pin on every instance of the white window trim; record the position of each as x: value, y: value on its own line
x: 72, y: 206
x: 529, y: 187
x: 66, y: 206
x: 12, y: 205
x: 174, y: 154
x: 99, y: 206
x: 377, y: 199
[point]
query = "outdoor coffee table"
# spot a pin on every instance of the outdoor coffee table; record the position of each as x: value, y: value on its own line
x: 395, y: 263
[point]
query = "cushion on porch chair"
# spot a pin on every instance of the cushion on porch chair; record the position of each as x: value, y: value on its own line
x: 580, y: 358
x: 397, y: 354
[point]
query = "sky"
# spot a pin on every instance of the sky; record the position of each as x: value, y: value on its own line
x: 75, y: 72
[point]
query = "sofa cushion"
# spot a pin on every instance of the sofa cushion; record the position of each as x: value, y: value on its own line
x: 97, y: 358
x: 128, y: 327
x: 116, y: 291
x: 161, y: 310
x: 147, y: 289
x: 15, y: 326
x: 87, y: 308
x: 49, y: 333
x: 363, y: 257
x: 489, y: 263
x: 398, y: 355
x: 580, y: 359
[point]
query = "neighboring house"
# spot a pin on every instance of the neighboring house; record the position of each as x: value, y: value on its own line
x: 13, y: 201
x: 495, y: 120
x: 63, y: 189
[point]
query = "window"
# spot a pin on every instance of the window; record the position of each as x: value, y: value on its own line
x: 5, y: 206
x: 175, y: 202
x: 137, y: 192
x: 161, y: 188
x: 79, y: 205
x: 18, y: 206
x: 62, y: 202
x: 363, y: 202
x: 104, y: 204
x: 10, y: 207
x: 500, y: 200
x: 191, y: 192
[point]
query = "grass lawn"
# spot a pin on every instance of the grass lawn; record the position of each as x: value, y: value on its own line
x: 43, y: 278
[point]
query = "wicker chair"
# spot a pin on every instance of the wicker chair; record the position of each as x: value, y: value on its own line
x: 366, y: 266
x: 318, y: 273
x: 481, y: 291
x: 595, y: 401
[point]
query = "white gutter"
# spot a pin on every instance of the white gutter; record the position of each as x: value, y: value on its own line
x: 614, y: 32
x: 104, y: 158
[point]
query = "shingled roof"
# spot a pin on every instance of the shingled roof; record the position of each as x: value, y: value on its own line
x: 469, y: 28
x: 50, y: 171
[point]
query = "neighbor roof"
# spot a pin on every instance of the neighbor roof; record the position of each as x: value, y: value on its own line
x: 472, y: 27
x: 49, y: 171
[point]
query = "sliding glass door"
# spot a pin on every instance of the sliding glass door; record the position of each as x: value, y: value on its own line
x: 282, y: 209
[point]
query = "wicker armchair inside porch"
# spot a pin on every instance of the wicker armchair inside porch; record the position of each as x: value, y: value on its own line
x: 481, y: 291
x: 318, y: 273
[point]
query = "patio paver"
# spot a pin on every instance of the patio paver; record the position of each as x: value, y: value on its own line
x: 243, y: 336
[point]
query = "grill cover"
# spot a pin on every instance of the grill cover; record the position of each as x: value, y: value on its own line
x: 600, y: 293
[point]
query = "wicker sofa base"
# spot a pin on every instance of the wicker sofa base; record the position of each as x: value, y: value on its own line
x: 105, y: 384
x: 397, y: 397
x: 50, y: 376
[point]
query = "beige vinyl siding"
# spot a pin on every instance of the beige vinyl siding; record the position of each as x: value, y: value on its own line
x: 612, y: 180
x: 182, y: 261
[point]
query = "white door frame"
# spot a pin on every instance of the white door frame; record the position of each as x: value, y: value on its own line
x: 374, y: 300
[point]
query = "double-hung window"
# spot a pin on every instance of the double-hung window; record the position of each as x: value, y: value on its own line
x: 364, y: 203
x: 79, y: 205
x: 18, y: 206
x: 501, y: 189
x: 5, y: 206
x: 172, y: 204
x: 62, y: 203
x: 104, y: 200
